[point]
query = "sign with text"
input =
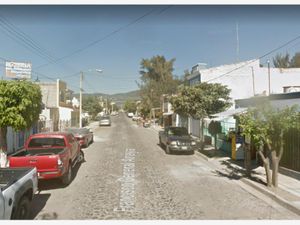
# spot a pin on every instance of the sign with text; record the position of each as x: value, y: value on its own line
x: 18, y: 70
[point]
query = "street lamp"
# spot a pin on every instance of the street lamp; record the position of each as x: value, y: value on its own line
x: 80, y: 93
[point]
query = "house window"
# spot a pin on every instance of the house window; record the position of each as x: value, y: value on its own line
x: 195, y: 80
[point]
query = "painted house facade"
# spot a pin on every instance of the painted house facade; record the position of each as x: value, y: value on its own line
x: 59, y: 111
x: 245, y: 79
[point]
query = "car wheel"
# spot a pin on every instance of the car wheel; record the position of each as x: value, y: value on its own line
x: 23, y: 209
x: 67, y: 177
x: 81, y: 157
x: 160, y: 143
x: 168, y: 151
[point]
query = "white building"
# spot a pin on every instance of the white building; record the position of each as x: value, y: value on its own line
x: 59, y: 109
x: 245, y: 79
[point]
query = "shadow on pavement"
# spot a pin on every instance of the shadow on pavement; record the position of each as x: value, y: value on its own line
x: 56, y: 183
x: 234, y: 169
x: 38, y: 203
x: 211, y: 152
x: 176, y: 153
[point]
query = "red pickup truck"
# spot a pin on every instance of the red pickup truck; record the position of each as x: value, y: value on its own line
x: 53, y: 154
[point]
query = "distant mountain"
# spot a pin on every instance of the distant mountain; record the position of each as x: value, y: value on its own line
x: 118, y: 98
x: 132, y: 95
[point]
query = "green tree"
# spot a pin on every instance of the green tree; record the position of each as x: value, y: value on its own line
x: 20, y: 106
x: 282, y: 61
x: 156, y: 79
x: 144, y: 110
x: 130, y: 106
x: 266, y: 126
x: 91, y: 104
x: 201, y: 100
x: 295, y: 61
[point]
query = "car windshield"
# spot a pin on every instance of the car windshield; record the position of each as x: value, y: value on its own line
x: 46, y: 142
x: 178, y: 131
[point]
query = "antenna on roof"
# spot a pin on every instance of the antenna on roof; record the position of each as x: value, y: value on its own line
x: 237, y: 42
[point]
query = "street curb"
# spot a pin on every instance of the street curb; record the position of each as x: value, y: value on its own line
x: 203, y: 156
x: 278, y: 199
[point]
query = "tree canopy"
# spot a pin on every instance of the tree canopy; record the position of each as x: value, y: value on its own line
x: 130, y: 106
x: 284, y: 61
x: 266, y: 126
x: 92, y: 105
x: 156, y: 79
x: 20, y: 106
x: 201, y: 100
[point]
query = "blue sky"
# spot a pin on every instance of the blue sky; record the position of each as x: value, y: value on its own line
x: 191, y: 34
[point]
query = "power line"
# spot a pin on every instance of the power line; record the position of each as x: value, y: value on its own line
x: 26, y: 41
x: 72, y: 75
x: 101, y: 39
x: 25, y: 37
x: 251, y: 61
x: 22, y: 41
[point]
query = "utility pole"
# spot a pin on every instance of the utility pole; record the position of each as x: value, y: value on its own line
x: 269, y: 79
x: 253, y: 83
x: 80, y: 94
x: 151, y: 112
x: 80, y: 99
x: 106, y: 107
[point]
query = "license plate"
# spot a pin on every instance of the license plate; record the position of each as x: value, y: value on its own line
x: 184, y: 148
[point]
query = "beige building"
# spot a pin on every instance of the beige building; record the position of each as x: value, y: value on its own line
x: 59, y: 110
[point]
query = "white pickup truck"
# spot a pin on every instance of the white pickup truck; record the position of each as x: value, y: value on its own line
x: 18, y: 186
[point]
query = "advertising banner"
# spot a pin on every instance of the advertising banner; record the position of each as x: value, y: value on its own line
x: 18, y: 70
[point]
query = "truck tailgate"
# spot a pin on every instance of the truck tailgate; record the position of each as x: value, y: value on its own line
x: 42, y: 163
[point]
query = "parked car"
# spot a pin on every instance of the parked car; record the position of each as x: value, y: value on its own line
x: 114, y: 113
x: 146, y: 124
x: 130, y: 115
x: 135, y: 117
x: 17, y: 188
x: 83, y: 135
x: 176, y: 139
x: 53, y: 154
x: 105, y: 121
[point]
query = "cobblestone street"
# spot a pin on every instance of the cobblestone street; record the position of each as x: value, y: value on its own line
x: 128, y: 176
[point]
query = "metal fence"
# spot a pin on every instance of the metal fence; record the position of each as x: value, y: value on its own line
x: 291, y: 155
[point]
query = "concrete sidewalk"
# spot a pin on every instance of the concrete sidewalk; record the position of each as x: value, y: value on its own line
x: 287, y: 194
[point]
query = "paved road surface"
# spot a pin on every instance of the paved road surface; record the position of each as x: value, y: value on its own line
x: 128, y: 176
